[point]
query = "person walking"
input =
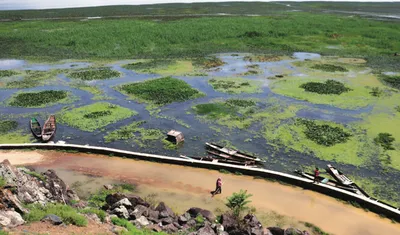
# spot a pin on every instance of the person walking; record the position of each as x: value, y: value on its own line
x: 316, y: 175
x: 218, y: 187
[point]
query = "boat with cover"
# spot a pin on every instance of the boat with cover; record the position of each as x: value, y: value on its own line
x: 35, y: 128
x: 338, y: 175
x: 233, y: 153
x: 49, y: 128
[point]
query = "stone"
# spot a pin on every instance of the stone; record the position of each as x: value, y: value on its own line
x: 121, y: 212
x: 94, y: 218
x: 164, y: 208
x: 170, y: 228
x: 223, y: 233
x: 252, y: 221
x: 182, y: 219
x: 195, y: 211
x: 9, y: 200
x: 163, y: 214
x: 293, y: 231
x: 80, y: 204
x: 276, y: 231
x: 229, y: 222
x: 143, y: 221
x: 206, y: 230
x: 155, y: 228
x: 136, y: 200
x: 139, y: 211
x: 123, y: 202
x: 108, y: 186
x: 153, y: 215
x: 10, y: 219
x: 59, y: 191
x: 53, y: 219
x: 111, y: 199
x: 219, y: 228
x: 257, y: 231
x: 176, y: 224
x: 167, y: 220
x: 191, y: 223
x: 118, y: 230
x: 266, y: 231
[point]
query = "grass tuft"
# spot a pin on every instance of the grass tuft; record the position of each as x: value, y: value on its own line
x: 68, y: 214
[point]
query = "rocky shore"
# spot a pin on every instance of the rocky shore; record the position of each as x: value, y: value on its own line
x: 123, y: 212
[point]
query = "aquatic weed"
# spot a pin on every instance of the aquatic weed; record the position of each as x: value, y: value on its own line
x: 393, y: 81
x: 36, y: 99
x: 385, y: 140
x: 95, y: 74
x: 329, y: 68
x: 329, y: 87
x: 6, y: 126
x: 7, y: 73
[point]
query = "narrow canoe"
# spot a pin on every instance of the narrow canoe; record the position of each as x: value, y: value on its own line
x: 338, y: 175
x: 35, y: 128
x: 233, y: 153
x: 49, y: 128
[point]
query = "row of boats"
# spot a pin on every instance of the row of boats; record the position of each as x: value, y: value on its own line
x: 47, y: 132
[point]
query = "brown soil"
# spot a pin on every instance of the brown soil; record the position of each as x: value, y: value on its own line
x: 21, y: 157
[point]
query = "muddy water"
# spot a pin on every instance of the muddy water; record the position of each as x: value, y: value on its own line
x: 184, y: 187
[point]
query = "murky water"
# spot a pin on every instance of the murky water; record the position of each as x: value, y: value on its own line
x: 181, y: 189
x: 199, y: 131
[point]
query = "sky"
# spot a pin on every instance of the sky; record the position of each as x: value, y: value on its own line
x: 46, y: 4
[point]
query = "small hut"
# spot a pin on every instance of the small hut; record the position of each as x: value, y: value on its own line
x: 175, y: 136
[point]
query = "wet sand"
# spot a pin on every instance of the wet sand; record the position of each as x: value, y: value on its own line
x: 185, y: 187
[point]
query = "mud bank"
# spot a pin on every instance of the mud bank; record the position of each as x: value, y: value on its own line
x: 182, y: 187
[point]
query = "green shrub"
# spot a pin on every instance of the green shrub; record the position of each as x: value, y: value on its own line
x: 95, y: 74
x: 393, y: 81
x: 100, y: 213
x: 238, y: 202
x: 162, y: 91
x: 385, y: 140
x: 6, y: 126
x: 68, y: 214
x: 35, y: 99
x: 327, y: 88
x: 199, y: 219
x: 7, y: 73
x: 324, y: 134
x: 329, y: 68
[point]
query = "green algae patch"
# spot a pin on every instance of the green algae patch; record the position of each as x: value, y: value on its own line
x: 160, y: 91
x: 134, y: 132
x: 235, y: 85
x: 209, y: 62
x: 30, y: 78
x: 101, y: 73
x: 357, y: 97
x: 393, y: 81
x: 7, y: 73
x: 94, y: 116
x: 164, y: 67
x: 96, y: 91
x: 263, y: 58
x: 40, y: 99
x: 329, y: 68
x: 329, y: 87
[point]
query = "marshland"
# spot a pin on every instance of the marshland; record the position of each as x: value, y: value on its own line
x: 298, y: 89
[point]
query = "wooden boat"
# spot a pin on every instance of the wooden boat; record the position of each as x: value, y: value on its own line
x: 233, y: 153
x: 228, y: 157
x: 339, y: 176
x: 35, y: 128
x: 49, y: 128
x: 233, y: 162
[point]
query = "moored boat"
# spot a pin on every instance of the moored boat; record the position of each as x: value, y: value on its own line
x: 49, y: 128
x: 35, y: 128
x: 338, y: 175
x: 234, y: 153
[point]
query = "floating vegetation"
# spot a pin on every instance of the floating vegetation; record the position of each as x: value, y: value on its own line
x: 130, y: 132
x: 165, y: 67
x: 213, y: 110
x: 235, y: 85
x: 7, y: 73
x: 251, y: 72
x: 6, y: 126
x: 327, y: 88
x: 32, y: 78
x: 397, y: 108
x: 329, y: 68
x: 161, y: 91
x: 147, y: 66
x: 385, y: 140
x: 253, y: 66
x: 209, y: 62
x: 376, y: 91
x: 38, y: 99
x: 94, y: 116
x: 393, y: 81
x: 240, y: 102
x: 262, y: 58
x: 95, y: 74
x: 324, y: 134
x: 21, y: 84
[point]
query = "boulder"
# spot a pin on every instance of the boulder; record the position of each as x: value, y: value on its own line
x: 10, y: 219
x: 93, y: 217
x: 206, y: 230
x: 167, y: 220
x: 139, y: 211
x: 195, y: 211
x: 108, y: 186
x: 53, y: 219
x: 229, y: 222
x: 123, y: 202
x: 58, y: 189
x: 223, y: 233
x: 219, y: 228
x: 256, y: 231
x: 136, y: 200
x: 155, y: 228
x: 170, y: 228
x: 252, y: 221
x: 121, y: 212
x: 176, y: 224
x: 143, y: 221
x: 184, y: 218
x: 153, y: 215
x: 9, y: 200
x: 162, y: 208
x: 111, y: 199
x: 118, y: 229
x: 293, y: 231
x: 276, y: 231
x: 267, y: 232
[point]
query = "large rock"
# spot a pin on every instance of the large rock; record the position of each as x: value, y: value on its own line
x: 170, y: 228
x: 293, y: 231
x: 59, y: 190
x: 10, y: 219
x: 139, y: 211
x: 219, y: 229
x: 266, y: 231
x: 276, y: 231
x: 8, y: 200
x: 183, y: 219
x: 153, y: 215
x: 229, y: 222
x: 195, y: 211
x: 53, y: 219
x: 155, y: 228
x: 252, y: 221
x: 256, y: 231
x: 121, y: 212
x: 143, y: 221
x: 111, y: 199
x: 206, y: 230
x: 167, y: 220
x: 123, y: 202
x: 136, y: 200
x: 162, y: 208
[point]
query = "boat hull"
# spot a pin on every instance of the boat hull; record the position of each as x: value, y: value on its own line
x: 49, y: 129
x: 35, y: 127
